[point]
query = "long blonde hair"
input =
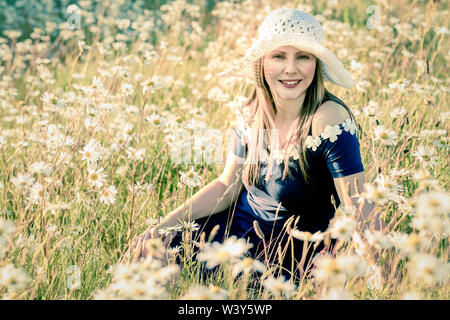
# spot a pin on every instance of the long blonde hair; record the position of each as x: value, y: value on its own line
x: 261, y: 112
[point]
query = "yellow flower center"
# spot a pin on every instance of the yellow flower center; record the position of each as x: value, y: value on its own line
x: 190, y: 175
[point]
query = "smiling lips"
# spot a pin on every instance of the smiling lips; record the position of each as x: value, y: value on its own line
x: 290, y: 83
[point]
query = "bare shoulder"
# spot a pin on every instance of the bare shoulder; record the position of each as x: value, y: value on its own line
x: 330, y: 113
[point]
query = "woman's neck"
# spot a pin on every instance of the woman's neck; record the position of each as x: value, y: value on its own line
x: 287, y: 111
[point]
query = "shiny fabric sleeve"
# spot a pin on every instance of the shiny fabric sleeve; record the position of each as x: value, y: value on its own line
x: 339, y: 147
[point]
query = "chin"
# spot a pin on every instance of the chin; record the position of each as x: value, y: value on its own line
x: 292, y: 96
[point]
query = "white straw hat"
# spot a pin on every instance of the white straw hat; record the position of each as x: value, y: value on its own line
x: 290, y: 27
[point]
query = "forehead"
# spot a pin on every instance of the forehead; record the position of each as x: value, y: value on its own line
x: 289, y: 49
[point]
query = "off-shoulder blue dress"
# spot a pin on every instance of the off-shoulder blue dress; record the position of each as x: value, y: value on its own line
x: 334, y: 154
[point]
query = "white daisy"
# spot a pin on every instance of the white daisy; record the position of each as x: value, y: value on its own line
x: 389, y: 184
x: 312, y: 142
x: 7, y: 229
x: 386, y: 136
x: 127, y: 89
x: 217, y: 253
x: 22, y: 180
x: 212, y: 292
x: 349, y: 126
x: 13, y: 278
x: 342, y: 227
x: 96, y: 177
x: 375, y: 193
x: 426, y: 156
x: 91, y: 152
x: 169, y: 139
x: 331, y: 132
x: 427, y: 268
x: 37, y: 193
x: 248, y: 265
x: 134, y: 154
x: 337, y: 294
x: 108, y: 195
x: 279, y: 286
x: 155, y: 120
x: 191, y: 179
x: 397, y: 112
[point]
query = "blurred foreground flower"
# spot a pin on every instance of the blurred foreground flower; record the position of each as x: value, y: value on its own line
x: 211, y: 292
x: 145, y: 280
x: 428, y: 268
x: 279, y: 287
x: 12, y: 278
x: 217, y: 253
x: 337, y: 294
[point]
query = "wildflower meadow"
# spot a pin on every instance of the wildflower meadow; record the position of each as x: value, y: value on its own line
x: 112, y: 114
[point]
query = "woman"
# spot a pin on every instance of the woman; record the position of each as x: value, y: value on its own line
x: 296, y: 151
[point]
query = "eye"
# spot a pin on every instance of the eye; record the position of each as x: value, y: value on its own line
x: 299, y: 57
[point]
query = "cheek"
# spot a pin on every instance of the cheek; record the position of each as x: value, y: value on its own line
x: 270, y: 69
x: 309, y: 69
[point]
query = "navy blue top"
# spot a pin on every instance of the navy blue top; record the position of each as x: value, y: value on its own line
x: 335, y: 153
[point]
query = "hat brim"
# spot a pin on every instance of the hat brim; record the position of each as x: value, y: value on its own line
x: 332, y: 68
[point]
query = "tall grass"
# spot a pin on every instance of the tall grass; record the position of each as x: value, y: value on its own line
x: 134, y: 74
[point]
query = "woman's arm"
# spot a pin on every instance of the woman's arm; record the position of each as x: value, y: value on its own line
x: 349, y: 189
x: 213, y: 198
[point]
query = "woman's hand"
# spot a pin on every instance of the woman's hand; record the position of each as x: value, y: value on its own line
x: 138, y: 244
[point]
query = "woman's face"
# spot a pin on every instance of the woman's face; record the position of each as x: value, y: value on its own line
x: 289, y: 63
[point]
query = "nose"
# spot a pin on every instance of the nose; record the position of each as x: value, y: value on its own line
x: 290, y: 66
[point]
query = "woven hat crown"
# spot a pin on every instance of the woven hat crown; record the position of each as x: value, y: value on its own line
x: 290, y: 21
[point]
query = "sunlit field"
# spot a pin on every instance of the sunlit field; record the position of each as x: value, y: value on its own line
x: 112, y: 115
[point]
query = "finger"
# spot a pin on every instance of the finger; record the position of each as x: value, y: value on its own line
x: 144, y: 249
x: 134, y: 245
x: 166, y: 240
x: 135, y: 254
x: 135, y: 241
x: 138, y: 251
